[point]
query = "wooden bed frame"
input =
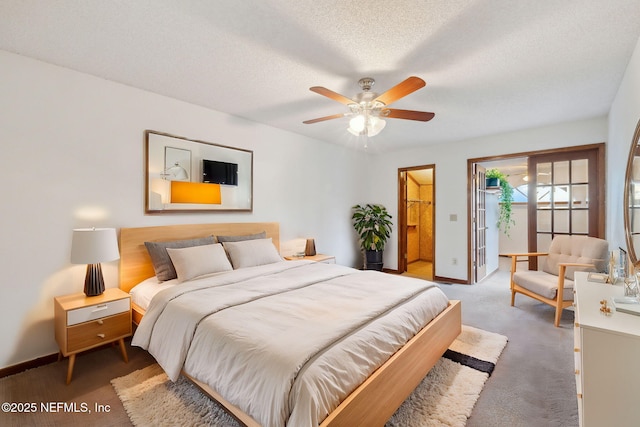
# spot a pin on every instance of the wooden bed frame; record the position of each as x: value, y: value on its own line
x: 375, y: 400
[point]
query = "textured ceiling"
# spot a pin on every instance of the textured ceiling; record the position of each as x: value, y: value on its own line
x: 491, y: 66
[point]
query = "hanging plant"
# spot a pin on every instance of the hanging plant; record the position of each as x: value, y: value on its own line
x: 505, y: 222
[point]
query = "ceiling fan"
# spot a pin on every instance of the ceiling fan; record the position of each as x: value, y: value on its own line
x: 368, y: 109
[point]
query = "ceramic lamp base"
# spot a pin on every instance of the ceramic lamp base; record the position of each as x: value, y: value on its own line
x: 93, y: 281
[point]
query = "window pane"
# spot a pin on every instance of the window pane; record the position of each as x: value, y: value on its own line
x: 544, y: 196
x: 544, y: 220
x: 580, y: 170
x: 580, y: 222
x: 543, y: 172
x: 561, y: 221
x: 544, y: 241
x: 561, y: 172
x: 580, y: 196
x: 561, y: 197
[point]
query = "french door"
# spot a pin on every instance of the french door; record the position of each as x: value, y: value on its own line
x: 566, y: 196
x: 479, y: 221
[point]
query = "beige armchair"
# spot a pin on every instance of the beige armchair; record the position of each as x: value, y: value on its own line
x: 553, y: 284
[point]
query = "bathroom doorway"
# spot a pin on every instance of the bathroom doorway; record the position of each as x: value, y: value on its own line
x: 416, y: 222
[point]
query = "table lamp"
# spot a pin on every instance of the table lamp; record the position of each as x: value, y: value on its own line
x: 92, y: 246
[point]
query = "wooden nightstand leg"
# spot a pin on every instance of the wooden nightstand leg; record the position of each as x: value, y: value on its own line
x: 123, y: 349
x: 72, y: 361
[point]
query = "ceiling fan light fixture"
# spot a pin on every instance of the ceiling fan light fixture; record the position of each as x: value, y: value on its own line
x: 371, y: 125
x: 375, y: 126
x: 356, y: 124
x: 367, y: 107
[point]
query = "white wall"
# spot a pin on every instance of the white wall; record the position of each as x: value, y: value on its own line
x: 623, y: 118
x: 493, y: 231
x: 72, y: 156
x: 516, y: 241
x: 451, y: 181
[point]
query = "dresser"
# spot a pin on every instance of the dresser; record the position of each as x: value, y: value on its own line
x: 607, y: 357
x: 83, y: 322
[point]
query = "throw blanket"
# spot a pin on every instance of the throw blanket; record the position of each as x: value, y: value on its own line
x: 286, y: 342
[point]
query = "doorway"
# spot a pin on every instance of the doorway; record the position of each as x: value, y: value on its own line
x: 561, y: 190
x: 416, y: 222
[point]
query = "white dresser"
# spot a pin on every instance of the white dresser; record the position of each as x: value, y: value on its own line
x: 607, y: 358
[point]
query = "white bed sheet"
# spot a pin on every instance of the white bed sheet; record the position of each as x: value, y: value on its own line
x: 323, y: 372
x: 143, y: 292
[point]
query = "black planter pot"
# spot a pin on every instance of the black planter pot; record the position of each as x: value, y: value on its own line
x: 493, y: 182
x: 373, y: 260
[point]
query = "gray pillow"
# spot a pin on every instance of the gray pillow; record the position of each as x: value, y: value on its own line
x: 222, y: 239
x: 160, y: 259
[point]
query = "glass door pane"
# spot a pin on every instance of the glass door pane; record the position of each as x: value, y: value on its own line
x: 564, y: 197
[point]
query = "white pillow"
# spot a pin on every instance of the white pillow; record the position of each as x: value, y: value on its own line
x: 250, y: 253
x: 199, y: 260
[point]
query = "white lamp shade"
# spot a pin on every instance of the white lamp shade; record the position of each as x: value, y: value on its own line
x: 357, y: 124
x: 94, y: 245
x: 375, y: 126
x: 371, y: 124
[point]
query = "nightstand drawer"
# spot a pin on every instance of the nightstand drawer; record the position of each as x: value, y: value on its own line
x: 99, y: 331
x: 92, y: 312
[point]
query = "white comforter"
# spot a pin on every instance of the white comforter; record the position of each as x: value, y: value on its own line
x: 286, y: 342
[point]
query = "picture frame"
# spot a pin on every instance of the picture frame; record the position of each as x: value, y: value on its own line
x: 164, y: 151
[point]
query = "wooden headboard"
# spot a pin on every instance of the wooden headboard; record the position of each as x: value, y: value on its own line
x: 135, y: 263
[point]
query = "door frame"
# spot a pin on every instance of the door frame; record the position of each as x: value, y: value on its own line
x: 601, y: 188
x: 402, y: 216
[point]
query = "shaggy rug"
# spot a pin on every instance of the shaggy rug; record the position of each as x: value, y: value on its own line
x: 444, y: 398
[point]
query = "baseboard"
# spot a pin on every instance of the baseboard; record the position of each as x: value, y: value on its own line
x: 29, y: 364
x: 435, y: 279
x: 45, y: 360
x: 450, y: 280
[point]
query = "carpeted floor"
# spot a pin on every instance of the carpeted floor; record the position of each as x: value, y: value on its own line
x: 532, y: 385
x: 445, y: 397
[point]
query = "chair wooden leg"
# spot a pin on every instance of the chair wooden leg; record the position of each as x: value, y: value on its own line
x: 558, y: 314
x: 513, y: 296
x: 560, y: 294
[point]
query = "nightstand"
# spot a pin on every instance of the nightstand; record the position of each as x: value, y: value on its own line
x: 327, y: 259
x: 83, y: 322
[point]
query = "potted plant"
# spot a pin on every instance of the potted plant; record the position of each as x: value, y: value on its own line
x: 506, y: 197
x: 373, y: 225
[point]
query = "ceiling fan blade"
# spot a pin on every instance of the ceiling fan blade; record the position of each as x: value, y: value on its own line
x: 322, y: 119
x: 407, y: 114
x: 400, y: 90
x: 332, y: 95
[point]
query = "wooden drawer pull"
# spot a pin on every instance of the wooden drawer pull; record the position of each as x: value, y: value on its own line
x: 100, y: 322
x: 101, y: 336
x: 577, y: 350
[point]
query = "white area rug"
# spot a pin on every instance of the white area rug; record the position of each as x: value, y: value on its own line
x: 444, y: 398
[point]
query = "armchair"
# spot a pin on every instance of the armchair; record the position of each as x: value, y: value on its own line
x: 553, y: 284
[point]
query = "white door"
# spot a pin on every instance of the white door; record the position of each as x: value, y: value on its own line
x: 480, y: 222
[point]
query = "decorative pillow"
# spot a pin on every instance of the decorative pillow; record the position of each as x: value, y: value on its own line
x: 199, y: 260
x: 250, y: 253
x: 160, y: 258
x: 223, y: 239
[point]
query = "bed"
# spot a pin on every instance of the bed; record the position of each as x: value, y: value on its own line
x: 369, y: 402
